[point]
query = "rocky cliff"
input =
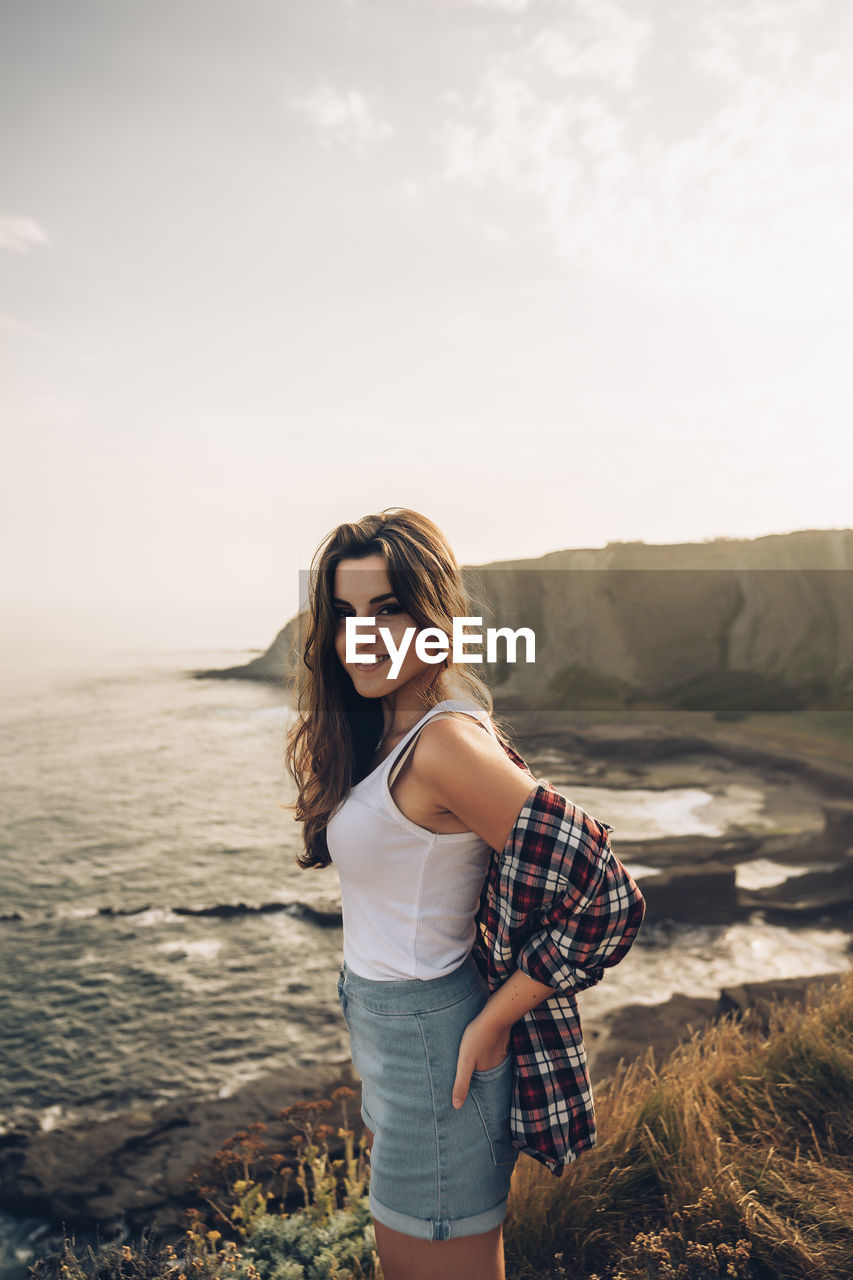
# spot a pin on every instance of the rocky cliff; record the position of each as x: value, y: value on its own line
x: 725, y: 624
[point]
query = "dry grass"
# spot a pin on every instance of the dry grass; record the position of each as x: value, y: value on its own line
x: 749, y: 1125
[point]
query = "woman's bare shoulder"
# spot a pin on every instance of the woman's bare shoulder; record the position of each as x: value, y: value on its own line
x: 469, y: 774
x: 473, y: 719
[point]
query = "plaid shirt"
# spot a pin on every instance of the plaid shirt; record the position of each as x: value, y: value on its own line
x: 559, y: 905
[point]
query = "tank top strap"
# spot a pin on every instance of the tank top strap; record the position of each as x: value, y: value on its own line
x: 449, y: 704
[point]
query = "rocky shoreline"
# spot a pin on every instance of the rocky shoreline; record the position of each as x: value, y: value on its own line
x: 130, y: 1171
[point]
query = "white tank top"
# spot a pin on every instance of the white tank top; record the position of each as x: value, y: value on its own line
x: 409, y: 896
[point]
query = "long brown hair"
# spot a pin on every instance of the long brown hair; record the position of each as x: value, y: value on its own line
x: 335, y: 733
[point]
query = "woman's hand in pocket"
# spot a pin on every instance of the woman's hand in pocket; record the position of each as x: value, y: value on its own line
x: 484, y: 1045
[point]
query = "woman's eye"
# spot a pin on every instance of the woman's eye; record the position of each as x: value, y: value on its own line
x: 384, y: 609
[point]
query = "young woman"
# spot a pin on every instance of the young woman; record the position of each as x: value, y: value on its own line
x: 407, y: 786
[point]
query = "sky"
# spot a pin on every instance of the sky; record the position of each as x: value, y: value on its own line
x: 556, y: 273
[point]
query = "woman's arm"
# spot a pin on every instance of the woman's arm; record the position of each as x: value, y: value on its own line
x: 571, y: 909
x: 470, y: 775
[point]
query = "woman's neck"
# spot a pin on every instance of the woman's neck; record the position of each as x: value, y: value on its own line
x: 402, y: 718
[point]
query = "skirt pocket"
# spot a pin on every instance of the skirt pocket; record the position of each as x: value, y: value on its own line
x: 491, y: 1092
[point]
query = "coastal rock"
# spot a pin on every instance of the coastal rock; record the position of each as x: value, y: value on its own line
x: 680, y: 852
x: 276, y: 666
x: 646, y: 745
x: 633, y: 1028
x: 327, y: 916
x: 838, y: 815
x: 704, y: 894
x: 813, y: 894
x: 759, y: 996
x: 124, y: 911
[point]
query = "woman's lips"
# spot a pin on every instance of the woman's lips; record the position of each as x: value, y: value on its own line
x: 373, y: 666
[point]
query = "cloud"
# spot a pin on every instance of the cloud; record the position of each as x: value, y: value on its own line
x: 507, y: 6
x: 604, y: 42
x: 19, y: 235
x: 712, y: 156
x: 343, y: 116
x: 765, y: 34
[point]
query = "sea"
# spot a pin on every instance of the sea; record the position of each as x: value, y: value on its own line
x: 139, y: 801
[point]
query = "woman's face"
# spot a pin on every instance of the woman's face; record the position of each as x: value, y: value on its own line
x: 361, y: 589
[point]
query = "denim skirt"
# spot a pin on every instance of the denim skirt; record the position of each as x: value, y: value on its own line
x: 436, y: 1172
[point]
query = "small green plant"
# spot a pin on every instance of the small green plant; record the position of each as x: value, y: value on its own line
x: 303, y: 1247
x: 327, y: 1184
x: 325, y: 1239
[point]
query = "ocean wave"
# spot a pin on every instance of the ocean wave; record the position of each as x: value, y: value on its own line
x: 195, y: 949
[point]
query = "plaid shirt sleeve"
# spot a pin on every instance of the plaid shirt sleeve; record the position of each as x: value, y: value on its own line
x: 579, y: 902
x: 558, y: 904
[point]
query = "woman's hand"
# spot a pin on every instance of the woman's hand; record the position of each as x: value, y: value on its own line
x: 484, y: 1045
x: 485, y: 1041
